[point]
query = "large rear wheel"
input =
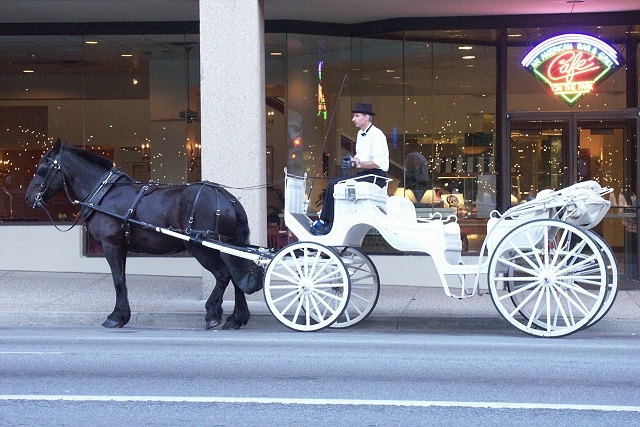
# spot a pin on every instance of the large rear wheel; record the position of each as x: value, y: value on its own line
x: 548, y: 278
x: 612, y: 276
x: 307, y: 286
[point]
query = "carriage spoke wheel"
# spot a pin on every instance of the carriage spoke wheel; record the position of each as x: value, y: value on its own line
x: 548, y: 278
x: 306, y: 286
x: 365, y: 287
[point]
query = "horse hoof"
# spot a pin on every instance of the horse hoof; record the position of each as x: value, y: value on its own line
x: 212, y: 324
x: 231, y: 325
x: 112, y: 324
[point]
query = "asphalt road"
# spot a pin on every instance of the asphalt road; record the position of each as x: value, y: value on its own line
x: 93, y: 376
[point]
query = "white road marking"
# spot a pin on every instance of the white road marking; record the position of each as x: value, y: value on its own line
x: 296, y: 401
x: 31, y: 352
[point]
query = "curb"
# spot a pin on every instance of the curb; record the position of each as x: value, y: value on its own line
x: 261, y: 321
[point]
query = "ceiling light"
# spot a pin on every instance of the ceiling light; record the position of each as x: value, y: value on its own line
x: 27, y: 71
x: 276, y: 53
x: 514, y: 35
x: 126, y: 55
x: 469, y: 57
x: 91, y: 42
x: 465, y: 47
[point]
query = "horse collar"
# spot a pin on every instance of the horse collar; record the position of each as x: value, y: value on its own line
x: 97, y: 194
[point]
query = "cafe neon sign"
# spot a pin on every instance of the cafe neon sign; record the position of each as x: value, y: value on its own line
x: 572, y: 65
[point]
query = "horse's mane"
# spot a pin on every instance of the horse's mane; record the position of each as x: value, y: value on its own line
x: 90, y: 157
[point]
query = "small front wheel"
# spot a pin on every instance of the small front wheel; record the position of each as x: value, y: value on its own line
x: 307, y: 286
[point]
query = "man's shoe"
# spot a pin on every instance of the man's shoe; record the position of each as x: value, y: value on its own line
x: 321, y: 231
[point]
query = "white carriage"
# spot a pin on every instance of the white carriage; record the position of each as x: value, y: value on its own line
x: 548, y: 274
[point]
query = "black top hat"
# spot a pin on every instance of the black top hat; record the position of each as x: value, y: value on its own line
x: 363, y: 108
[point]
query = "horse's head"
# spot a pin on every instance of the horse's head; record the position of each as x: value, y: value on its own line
x: 68, y: 168
x: 48, y: 179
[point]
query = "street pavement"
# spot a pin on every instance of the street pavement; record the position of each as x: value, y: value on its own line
x: 85, y: 299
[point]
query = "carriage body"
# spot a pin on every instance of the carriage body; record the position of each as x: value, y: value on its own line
x: 547, y: 272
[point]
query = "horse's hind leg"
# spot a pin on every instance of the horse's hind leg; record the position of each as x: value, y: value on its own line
x: 240, y: 315
x: 214, y: 303
x: 209, y: 259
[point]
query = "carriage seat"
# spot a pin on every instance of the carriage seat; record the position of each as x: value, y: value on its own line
x: 295, y: 201
x: 401, y: 211
x: 353, y: 190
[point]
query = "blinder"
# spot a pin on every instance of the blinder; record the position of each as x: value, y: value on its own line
x: 47, y: 170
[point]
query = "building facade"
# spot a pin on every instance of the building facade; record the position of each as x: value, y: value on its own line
x: 481, y: 112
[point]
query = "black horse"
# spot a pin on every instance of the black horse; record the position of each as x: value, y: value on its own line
x: 117, y: 211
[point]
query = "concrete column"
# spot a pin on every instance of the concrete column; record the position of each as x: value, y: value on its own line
x: 233, y: 104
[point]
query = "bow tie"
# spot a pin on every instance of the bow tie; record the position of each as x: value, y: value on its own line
x: 363, y: 134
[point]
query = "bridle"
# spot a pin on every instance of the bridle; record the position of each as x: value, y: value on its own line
x: 53, y: 167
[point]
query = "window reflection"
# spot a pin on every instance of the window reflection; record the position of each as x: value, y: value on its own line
x: 120, y: 95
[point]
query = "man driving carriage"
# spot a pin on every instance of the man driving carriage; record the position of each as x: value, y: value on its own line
x: 372, y: 156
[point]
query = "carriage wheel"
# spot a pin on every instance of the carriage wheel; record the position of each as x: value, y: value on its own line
x: 612, y: 276
x: 548, y: 278
x: 306, y: 286
x: 365, y: 287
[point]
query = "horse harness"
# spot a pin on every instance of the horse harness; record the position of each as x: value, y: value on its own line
x: 91, y: 203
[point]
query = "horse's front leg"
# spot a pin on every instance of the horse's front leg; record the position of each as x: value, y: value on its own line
x: 117, y: 257
x: 240, y: 315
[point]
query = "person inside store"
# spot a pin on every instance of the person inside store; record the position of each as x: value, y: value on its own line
x: 372, y: 157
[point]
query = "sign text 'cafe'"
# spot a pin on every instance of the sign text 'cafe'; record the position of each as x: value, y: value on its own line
x: 572, y: 65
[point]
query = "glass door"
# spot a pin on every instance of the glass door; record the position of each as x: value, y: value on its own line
x: 606, y: 154
x: 537, y: 157
x: 556, y: 151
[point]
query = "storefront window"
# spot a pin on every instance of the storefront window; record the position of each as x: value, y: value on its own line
x: 132, y: 98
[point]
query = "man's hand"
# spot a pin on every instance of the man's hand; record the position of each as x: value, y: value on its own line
x: 347, y: 162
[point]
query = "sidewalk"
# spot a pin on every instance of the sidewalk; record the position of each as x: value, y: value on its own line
x: 77, y: 299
